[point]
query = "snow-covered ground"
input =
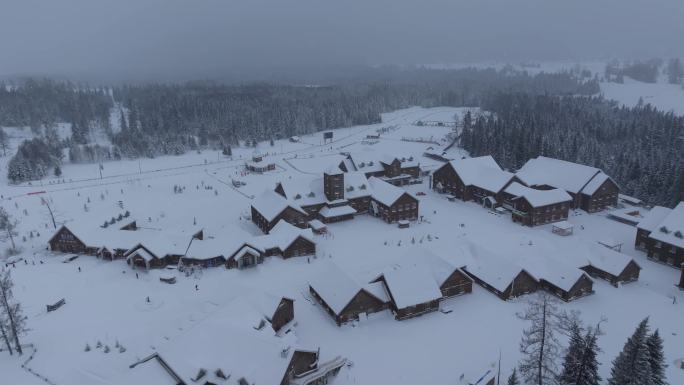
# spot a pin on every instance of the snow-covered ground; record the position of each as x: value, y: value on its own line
x: 105, y: 301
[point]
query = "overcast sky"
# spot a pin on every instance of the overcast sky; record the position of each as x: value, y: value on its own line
x: 196, y: 37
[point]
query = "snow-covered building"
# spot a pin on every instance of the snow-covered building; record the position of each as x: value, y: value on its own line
x: 394, y: 170
x: 343, y: 298
x: 286, y: 240
x: 258, y: 164
x: 661, y: 234
x: 245, y: 351
x: 412, y: 290
x: 269, y: 208
x: 452, y: 281
x: 340, y: 196
x: 607, y: 264
x: 590, y: 188
x: 499, y: 276
x: 479, y: 179
x: 558, y: 278
x: 533, y: 207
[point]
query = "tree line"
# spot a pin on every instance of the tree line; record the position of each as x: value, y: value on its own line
x: 640, y: 147
x: 545, y: 361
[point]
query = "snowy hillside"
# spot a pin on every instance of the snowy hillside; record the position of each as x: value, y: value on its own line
x: 110, y: 303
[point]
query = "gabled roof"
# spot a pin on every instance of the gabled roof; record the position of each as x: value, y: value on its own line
x: 595, y: 183
x: 411, y: 285
x: 538, y: 198
x: 384, y: 192
x: 605, y: 259
x: 569, y: 176
x: 671, y: 229
x: 270, y: 204
x: 493, y: 269
x: 552, y: 270
x: 439, y: 267
x: 282, y: 236
x: 483, y: 172
x: 335, y: 287
x: 654, y: 218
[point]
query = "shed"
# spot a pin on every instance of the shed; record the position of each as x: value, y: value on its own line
x: 563, y: 228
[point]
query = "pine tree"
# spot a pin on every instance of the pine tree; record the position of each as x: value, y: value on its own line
x: 632, y: 366
x: 513, y: 378
x: 580, y: 366
x: 539, y: 345
x: 656, y: 358
x: 8, y: 226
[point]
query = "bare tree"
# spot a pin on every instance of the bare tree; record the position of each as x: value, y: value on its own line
x: 4, y: 328
x: 11, y: 309
x: 4, y: 141
x: 8, y: 226
x: 46, y: 202
x: 539, y: 345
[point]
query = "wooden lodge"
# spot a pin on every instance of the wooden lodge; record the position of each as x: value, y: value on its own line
x: 478, y: 179
x: 244, y: 257
x: 568, y: 288
x: 343, y: 298
x: 452, y: 281
x: 258, y: 165
x: 590, y: 188
x: 340, y: 196
x: 661, y: 235
x: 66, y: 241
x: 391, y: 203
x: 532, y: 207
x: 287, y: 241
x: 500, y: 277
x: 412, y: 290
x: 393, y: 170
x: 269, y: 208
x: 277, y: 310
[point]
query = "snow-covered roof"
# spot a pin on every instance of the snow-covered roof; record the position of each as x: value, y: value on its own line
x: 411, y: 285
x: 334, y: 169
x: 310, y: 189
x: 438, y: 266
x: 654, y: 218
x: 553, y: 270
x: 142, y: 253
x: 384, y: 192
x: 239, y: 350
x: 317, y: 225
x: 331, y: 212
x: 563, y: 225
x: 493, y: 269
x: 377, y: 289
x: 671, y: 229
x: 595, y: 183
x: 483, y: 172
x: 282, y: 235
x: 335, y: 287
x: 603, y: 258
x: 270, y: 204
x: 538, y: 198
x: 569, y: 176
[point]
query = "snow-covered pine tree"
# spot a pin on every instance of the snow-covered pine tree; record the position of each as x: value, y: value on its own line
x: 580, y: 366
x: 11, y: 310
x: 539, y: 345
x: 513, y: 378
x: 632, y: 366
x: 656, y: 358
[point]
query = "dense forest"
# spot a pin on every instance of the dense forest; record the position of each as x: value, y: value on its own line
x: 641, y: 148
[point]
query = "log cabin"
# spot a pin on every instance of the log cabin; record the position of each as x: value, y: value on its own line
x: 277, y: 310
x: 287, y: 241
x: 258, y: 165
x: 531, y: 207
x: 343, y: 298
x: 397, y: 171
x: 65, y: 241
x: 391, y: 203
x: 590, y: 188
x: 500, y: 277
x: 661, y: 233
x: 245, y: 256
x: 412, y: 290
x: 648, y: 224
x: 269, y: 208
x: 478, y: 179
x: 610, y: 265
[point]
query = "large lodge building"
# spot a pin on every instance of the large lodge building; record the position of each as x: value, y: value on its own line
x: 337, y: 196
x: 661, y: 234
x: 542, y: 191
